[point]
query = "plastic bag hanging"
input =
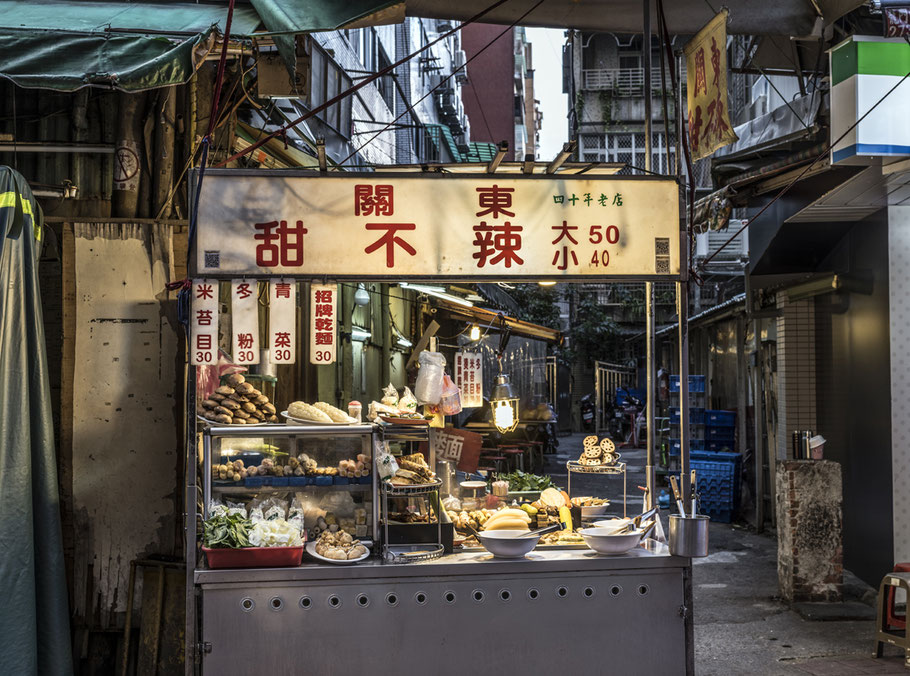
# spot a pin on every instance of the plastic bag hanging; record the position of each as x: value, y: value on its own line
x: 428, y: 388
x: 450, y: 403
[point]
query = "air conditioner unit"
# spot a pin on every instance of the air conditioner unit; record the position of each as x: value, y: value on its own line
x: 273, y: 81
x: 461, y: 72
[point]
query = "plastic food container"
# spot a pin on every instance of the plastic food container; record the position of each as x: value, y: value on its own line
x: 254, y: 557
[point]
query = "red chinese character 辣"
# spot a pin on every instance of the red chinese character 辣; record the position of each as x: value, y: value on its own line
x: 495, y: 201
x: 390, y: 239
x: 205, y: 291
x: 501, y: 240
x: 244, y: 290
x: 281, y: 244
x: 373, y: 200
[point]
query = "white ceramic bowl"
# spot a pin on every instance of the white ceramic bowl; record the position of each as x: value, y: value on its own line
x: 504, y: 545
x: 611, y: 525
x: 604, y: 541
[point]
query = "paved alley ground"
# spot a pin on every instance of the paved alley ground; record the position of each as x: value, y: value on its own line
x: 741, y: 627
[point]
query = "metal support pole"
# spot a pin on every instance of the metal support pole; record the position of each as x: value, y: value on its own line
x: 682, y: 311
x: 649, y: 287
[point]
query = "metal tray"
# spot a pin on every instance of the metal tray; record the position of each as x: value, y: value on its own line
x: 413, y: 489
x: 412, y: 553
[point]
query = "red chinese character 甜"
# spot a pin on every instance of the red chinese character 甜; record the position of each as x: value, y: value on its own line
x: 501, y: 240
x: 243, y: 290
x: 323, y: 338
x: 370, y: 200
x: 282, y: 290
x: 390, y: 239
x: 204, y: 317
x: 281, y: 244
x: 495, y: 201
x: 204, y: 291
x: 244, y: 341
x: 282, y: 339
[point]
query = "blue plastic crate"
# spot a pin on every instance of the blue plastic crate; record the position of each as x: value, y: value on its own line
x: 675, y: 447
x: 696, y: 416
x: 322, y: 480
x: 368, y: 479
x: 719, y: 515
x: 720, y: 418
x: 720, y: 433
x: 696, y: 384
x: 254, y: 481
x: 720, y: 445
x: 623, y: 392
x: 297, y: 481
x: 341, y: 480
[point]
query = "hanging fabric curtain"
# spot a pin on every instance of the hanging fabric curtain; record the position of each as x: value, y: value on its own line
x: 35, y: 618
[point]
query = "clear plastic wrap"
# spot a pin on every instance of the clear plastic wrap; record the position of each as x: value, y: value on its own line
x: 428, y: 388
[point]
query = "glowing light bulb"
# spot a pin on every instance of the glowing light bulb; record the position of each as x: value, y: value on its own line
x: 503, y: 416
x: 475, y: 333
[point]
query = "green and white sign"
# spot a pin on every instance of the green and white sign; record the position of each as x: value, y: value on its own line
x: 863, y: 70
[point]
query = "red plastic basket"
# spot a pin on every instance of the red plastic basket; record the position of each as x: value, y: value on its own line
x: 254, y: 557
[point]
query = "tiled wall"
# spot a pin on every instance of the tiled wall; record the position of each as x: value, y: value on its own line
x: 899, y: 264
x: 795, y: 371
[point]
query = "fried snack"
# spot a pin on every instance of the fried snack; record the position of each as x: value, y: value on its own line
x: 303, y: 411
x: 336, y: 414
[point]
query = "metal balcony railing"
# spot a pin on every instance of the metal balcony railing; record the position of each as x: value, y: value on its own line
x: 622, y: 81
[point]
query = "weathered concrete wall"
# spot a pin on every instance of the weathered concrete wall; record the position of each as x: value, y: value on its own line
x: 809, y: 524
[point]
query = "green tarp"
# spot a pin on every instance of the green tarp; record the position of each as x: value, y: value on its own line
x: 34, y: 622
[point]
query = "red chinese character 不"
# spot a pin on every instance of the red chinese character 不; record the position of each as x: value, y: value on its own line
x: 323, y: 296
x: 243, y: 290
x: 494, y: 201
x: 287, y: 251
x: 203, y: 342
x: 373, y: 200
x: 323, y: 324
x: 282, y: 290
x: 695, y: 123
x: 323, y: 338
x: 501, y: 240
x: 389, y: 240
x: 282, y: 339
x: 204, y: 317
x: 324, y: 311
x: 244, y: 341
x: 700, y: 82
x: 205, y: 291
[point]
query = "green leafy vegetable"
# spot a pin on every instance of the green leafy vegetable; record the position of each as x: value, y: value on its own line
x: 521, y: 481
x: 226, y: 531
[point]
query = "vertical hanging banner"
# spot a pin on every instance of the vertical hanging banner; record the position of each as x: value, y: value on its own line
x: 282, y: 321
x: 245, y: 321
x: 706, y: 80
x: 204, y: 323
x: 469, y: 378
x: 323, y: 323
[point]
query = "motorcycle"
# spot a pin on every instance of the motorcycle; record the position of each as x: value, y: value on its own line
x: 588, y: 413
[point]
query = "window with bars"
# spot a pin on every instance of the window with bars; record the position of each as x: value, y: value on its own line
x: 629, y: 147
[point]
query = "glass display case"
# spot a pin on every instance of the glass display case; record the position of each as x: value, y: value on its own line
x: 323, y: 472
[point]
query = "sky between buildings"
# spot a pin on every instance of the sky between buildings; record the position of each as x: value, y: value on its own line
x: 547, y: 60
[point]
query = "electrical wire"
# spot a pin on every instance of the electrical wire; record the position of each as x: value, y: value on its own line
x: 809, y: 166
x: 442, y: 82
x: 357, y: 87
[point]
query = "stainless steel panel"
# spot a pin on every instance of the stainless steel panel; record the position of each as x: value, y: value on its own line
x: 622, y: 622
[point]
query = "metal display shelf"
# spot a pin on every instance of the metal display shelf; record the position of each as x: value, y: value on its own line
x: 575, y: 467
x: 412, y: 489
x: 423, y: 551
x: 243, y: 490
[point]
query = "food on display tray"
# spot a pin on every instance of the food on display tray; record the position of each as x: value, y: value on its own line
x: 412, y: 470
x: 524, y: 481
x: 589, y: 502
x: 319, y: 412
x: 237, y: 402
x: 598, y: 452
x: 508, y: 519
x: 340, y: 546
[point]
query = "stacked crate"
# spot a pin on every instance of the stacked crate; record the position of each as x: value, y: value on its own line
x: 696, y: 414
x: 718, y: 479
x: 720, y: 430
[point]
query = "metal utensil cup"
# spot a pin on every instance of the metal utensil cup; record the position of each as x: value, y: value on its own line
x: 689, y: 535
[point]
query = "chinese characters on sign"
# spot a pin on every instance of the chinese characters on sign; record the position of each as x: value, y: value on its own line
x: 245, y: 321
x: 282, y: 321
x: 323, y: 323
x: 469, y: 378
x: 374, y: 226
x: 460, y: 447
x: 709, y: 118
x: 204, y: 323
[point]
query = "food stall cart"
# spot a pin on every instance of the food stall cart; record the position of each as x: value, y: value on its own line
x: 447, y: 613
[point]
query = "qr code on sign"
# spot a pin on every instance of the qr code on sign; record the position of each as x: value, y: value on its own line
x: 213, y: 259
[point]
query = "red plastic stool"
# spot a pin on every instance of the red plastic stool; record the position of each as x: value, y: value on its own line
x: 515, y: 456
x: 892, y: 620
